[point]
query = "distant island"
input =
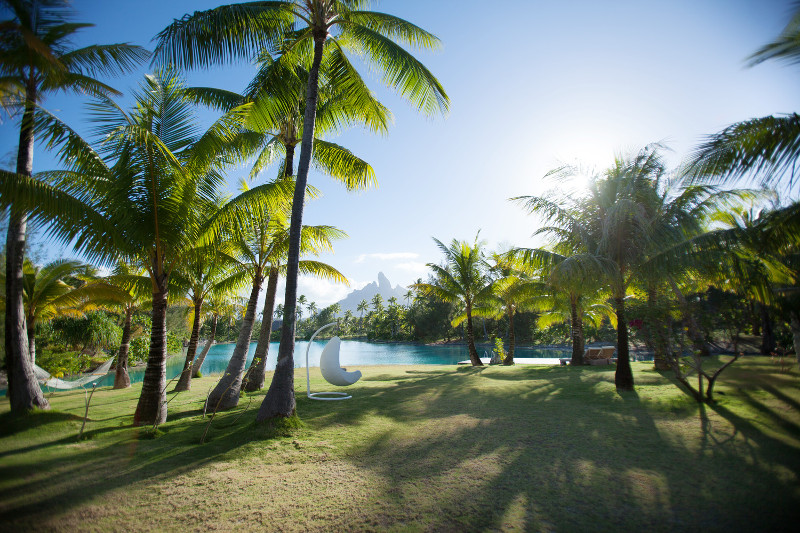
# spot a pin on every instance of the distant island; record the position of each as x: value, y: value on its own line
x: 382, y: 287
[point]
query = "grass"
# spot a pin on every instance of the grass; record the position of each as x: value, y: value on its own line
x: 421, y: 448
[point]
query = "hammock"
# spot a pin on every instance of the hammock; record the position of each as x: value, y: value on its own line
x: 44, y: 377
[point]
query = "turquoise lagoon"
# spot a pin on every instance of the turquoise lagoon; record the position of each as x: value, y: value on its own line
x: 352, y: 354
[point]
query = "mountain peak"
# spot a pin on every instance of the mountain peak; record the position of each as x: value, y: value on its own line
x: 383, y: 287
x: 383, y: 283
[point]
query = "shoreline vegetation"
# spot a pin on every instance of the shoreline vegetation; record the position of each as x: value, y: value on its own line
x: 546, y: 448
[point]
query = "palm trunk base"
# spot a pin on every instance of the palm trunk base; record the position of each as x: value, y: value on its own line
x: 122, y: 380
x: 623, y: 377
x: 279, y: 401
x: 152, y: 406
x: 185, y: 381
x: 225, y: 395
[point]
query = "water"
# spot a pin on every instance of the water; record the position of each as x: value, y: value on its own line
x: 352, y: 354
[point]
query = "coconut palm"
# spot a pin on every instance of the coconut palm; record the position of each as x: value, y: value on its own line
x: 140, y: 197
x: 64, y: 287
x: 37, y: 58
x: 301, y: 302
x: 256, y: 240
x: 764, y: 149
x: 362, y: 308
x: 205, y: 268
x: 50, y: 291
x: 219, y: 305
x: 512, y: 290
x: 332, y: 26
x: 462, y: 279
x: 256, y: 374
x: 131, y: 294
x: 570, y: 290
x: 610, y: 231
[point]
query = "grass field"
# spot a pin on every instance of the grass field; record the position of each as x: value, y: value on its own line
x: 422, y: 448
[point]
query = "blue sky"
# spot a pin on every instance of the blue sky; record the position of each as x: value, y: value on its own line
x: 532, y: 85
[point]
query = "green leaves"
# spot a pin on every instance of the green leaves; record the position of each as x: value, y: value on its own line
x: 224, y: 34
x: 764, y: 149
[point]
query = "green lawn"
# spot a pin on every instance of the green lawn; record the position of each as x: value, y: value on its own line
x: 422, y: 448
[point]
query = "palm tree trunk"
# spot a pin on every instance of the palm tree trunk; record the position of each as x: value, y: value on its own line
x: 226, y: 394
x: 256, y: 374
x: 152, y: 406
x: 509, y: 360
x: 280, y: 401
x: 31, y: 325
x: 121, y: 378
x: 623, y: 378
x: 198, y: 363
x: 24, y: 392
x: 576, y: 323
x: 473, y: 353
x: 654, y: 335
x: 755, y: 319
x: 185, y: 381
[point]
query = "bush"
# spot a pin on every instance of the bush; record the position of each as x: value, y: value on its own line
x: 139, y: 350
x: 60, y: 362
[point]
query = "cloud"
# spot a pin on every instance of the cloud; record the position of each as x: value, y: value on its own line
x: 322, y: 292
x: 387, y: 256
x: 413, y: 267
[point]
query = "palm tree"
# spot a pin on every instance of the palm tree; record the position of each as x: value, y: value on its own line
x: 204, y: 269
x: 143, y: 204
x: 257, y: 241
x: 362, y: 308
x: 571, y: 278
x: 512, y: 290
x: 61, y: 288
x: 462, y: 280
x: 52, y: 291
x: 609, y: 232
x: 766, y: 148
x: 256, y: 374
x: 37, y: 58
x: 134, y: 289
x: 218, y: 305
x: 301, y: 302
x: 333, y: 26
x: 377, y: 303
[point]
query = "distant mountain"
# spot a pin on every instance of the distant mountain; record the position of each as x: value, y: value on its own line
x: 382, y: 287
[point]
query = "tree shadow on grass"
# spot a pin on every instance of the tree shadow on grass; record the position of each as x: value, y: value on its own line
x: 110, y: 458
x: 550, y: 452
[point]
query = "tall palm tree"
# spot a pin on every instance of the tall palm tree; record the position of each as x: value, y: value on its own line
x: 134, y: 287
x: 140, y: 197
x: 37, y: 58
x: 610, y: 230
x: 204, y: 269
x: 512, y: 290
x: 462, y: 279
x: 258, y: 242
x: 301, y: 302
x: 218, y: 305
x: 362, y: 308
x: 332, y: 26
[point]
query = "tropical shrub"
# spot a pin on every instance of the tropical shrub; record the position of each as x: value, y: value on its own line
x: 61, y: 362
